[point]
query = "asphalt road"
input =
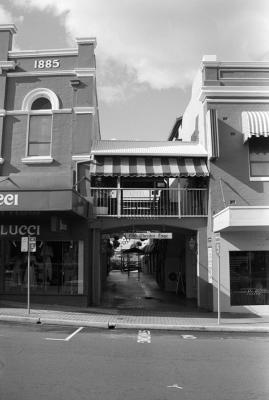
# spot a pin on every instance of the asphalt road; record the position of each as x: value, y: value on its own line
x: 56, y: 362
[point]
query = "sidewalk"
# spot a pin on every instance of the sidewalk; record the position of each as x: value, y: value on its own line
x: 133, y: 319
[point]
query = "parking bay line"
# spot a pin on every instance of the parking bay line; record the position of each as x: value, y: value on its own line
x: 68, y: 337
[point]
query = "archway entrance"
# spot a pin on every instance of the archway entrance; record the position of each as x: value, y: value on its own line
x: 149, y: 270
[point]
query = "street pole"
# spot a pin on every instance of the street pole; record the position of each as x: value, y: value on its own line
x: 28, y: 278
x: 218, y: 289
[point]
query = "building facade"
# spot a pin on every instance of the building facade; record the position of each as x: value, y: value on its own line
x: 229, y: 114
x: 48, y: 121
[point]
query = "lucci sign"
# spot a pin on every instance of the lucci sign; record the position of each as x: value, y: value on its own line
x: 9, y: 199
x: 19, y: 230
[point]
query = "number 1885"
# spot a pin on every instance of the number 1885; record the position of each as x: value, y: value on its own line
x: 41, y: 64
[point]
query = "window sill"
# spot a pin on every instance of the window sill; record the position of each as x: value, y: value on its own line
x: 37, y: 160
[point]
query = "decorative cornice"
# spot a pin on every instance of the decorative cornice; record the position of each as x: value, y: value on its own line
x: 2, y: 113
x: 40, y: 73
x: 91, y: 40
x: 43, y: 53
x: 236, y: 64
x: 232, y: 91
x: 250, y: 101
x: 8, y: 27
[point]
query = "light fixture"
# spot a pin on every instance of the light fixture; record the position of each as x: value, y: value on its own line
x: 192, y: 243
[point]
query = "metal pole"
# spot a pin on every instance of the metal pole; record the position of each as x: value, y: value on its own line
x: 218, y: 289
x: 28, y: 278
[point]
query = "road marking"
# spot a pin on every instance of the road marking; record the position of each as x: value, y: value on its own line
x: 74, y: 333
x: 68, y: 337
x: 175, y: 386
x: 143, y: 337
x: 188, y: 337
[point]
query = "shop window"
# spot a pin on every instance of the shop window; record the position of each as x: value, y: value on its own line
x: 249, y: 277
x: 56, y: 268
x: 259, y: 157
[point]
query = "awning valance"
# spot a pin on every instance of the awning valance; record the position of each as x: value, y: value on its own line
x: 149, y: 166
x: 255, y: 123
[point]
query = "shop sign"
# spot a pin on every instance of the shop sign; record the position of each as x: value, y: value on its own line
x: 149, y: 235
x: 21, y: 230
x: 9, y: 199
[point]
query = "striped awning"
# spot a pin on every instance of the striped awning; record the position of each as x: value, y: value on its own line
x: 255, y: 123
x: 149, y: 166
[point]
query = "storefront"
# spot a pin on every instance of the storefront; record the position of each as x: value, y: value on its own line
x: 58, y: 272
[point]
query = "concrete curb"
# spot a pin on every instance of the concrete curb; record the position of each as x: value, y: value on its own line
x: 121, y: 325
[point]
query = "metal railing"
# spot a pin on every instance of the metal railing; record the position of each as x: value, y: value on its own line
x: 142, y: 202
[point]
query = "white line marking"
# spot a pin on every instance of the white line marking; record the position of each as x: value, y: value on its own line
x: 74, y: 333
x: 68, y: 337
x: 188, y: 337
x: 175, y: 386
x: 143, y: 337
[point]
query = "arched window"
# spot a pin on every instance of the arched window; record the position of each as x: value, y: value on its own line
x: 39, y: 103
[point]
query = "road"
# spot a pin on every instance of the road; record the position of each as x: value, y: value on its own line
x: 57, y: 362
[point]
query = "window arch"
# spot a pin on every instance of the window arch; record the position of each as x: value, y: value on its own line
x: 39, y: 104
x: 35, y: 94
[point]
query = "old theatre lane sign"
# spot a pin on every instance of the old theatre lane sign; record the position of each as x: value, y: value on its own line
x: 19, y: 230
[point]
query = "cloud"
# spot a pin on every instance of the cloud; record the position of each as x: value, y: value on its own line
x: 5, y: 16
x: 160, y: 42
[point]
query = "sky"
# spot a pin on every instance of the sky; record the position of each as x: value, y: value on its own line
x: 148, y: 51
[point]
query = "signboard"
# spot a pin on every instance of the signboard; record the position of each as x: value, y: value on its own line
x: 24, y: 244
x: 217, y: 243
x: 19, y: 230
x: 149, y: 235
x: 31, y: 242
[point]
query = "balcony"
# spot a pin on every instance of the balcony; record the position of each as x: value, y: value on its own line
x: 146, y: 202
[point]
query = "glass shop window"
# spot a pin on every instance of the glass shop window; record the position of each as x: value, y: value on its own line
x: 55, y: 268
x: 249, y: 277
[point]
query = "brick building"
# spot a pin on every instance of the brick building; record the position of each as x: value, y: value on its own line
x: 48, y: 120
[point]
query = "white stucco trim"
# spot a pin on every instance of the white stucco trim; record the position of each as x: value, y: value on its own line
x: 85, y: 72
x: 81, y: 157
x: 37, y: 160
x: 2, y: 113
x: 84, y: 110
x: 40, y: 92
x: 26, y: 112
x: 5, y: 65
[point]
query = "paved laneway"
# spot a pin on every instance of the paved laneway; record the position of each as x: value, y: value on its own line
x: 140, y: 291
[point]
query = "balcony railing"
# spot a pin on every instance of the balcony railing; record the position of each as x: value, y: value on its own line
x: 142, y: 202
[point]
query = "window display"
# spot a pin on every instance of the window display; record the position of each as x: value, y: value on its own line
x: 55, y: 267
x: 249, y: 277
